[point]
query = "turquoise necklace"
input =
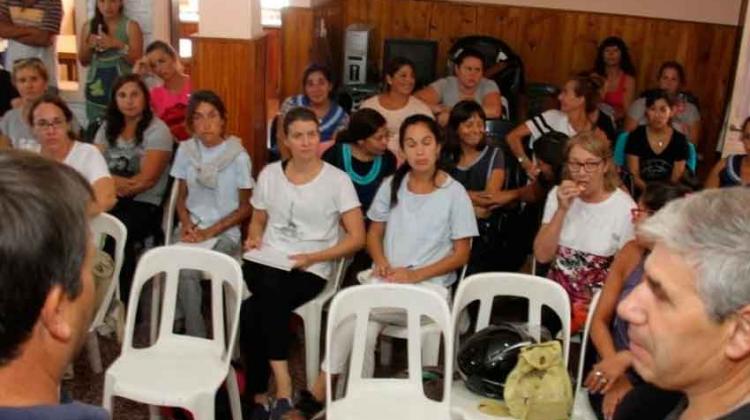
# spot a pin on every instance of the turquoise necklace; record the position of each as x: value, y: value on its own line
x: 357, y: 178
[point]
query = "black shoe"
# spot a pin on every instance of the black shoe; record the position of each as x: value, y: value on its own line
x: 308, y: 405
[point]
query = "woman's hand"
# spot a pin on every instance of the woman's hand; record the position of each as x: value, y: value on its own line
x: 251, y: 243
x: 532, y: 171
x: 566, y: 192
x: 107, y: 42
x: 142, y: 67
x: 607, y: 372
x: 302, y: 261
x: 187, y: 234
x: 92, y: 42
x: 382, y: 270
x: 613, y: 397
x: 402, y: 275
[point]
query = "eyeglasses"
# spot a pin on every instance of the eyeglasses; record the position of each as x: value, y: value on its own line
x: 44, y: 124
x: 588, y: 166
x: 639, y: 212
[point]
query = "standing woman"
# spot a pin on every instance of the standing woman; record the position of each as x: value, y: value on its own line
x: 480, y: 168
x: 579, y: 100
x: 733, y: 170
x: 586, y: 221
x: 169, y: 100
x: 300, y: 206
x: 361, y: 151
x: 30, y: 79
x: 317, y: 86
x: 209, y: 206
x: 614, y: 64
x: 656, y: 151
x: 52, y: 122
x: 110, y: 44
x: 137, y: 147
x: 397, y: 103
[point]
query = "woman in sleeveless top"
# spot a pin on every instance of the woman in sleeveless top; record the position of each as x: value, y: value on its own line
x: 734, y: 170
x: 614, y: 64
x: 110, y: 44
x: 612, y: 376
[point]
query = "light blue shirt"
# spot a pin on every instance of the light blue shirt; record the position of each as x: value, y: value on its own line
x: 420, y: 228
x: 209, y: 205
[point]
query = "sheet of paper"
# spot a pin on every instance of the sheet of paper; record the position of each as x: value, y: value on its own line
x: 269, y: 256
x: 207, y: 244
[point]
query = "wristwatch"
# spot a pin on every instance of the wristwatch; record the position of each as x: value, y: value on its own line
x: 521, y: 159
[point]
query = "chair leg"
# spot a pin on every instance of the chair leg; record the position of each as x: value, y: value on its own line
x: 311, y: 322
x: 386, y: 350
x: 233, y: 391
x: 430, y: 348
x: 92, y: 348
x: 107, y: 393
x: 202, y: 407
x: 153, y: 412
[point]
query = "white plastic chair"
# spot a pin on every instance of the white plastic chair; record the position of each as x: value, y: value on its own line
x: 102, y: 226
x: 430, y: 340
x: 581, y: 406
x: 484, y: 287
x: 167, y: 226
x: 312, y: 313
x: 379, y: 398
x: 179, y: 370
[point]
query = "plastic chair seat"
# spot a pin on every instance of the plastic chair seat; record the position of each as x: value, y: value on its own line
x: 173, y: 388
x: 370, y: 402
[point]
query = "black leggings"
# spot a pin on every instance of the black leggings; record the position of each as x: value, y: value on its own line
x: 264, y: 320
x: 142, y: 220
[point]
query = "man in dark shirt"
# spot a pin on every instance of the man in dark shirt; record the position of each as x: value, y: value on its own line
x: 689, y: 319
x: 46, y: 285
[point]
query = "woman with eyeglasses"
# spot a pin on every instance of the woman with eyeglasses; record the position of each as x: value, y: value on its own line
x: 586, y: 221
x: 51, y: 120
x: 30, y: 79
x: 214, y: 176
x: 137, y: 147
x: 656, y: 151
x: 306, y: 212
x: 733, y: 170
x: 614, y: 387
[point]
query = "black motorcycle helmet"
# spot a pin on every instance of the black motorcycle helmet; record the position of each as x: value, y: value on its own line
x: 487, y: 357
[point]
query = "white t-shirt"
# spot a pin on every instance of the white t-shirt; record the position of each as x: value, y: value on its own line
x: 420, y: 228
x: 594, y: 228
x: 88, y: 161
x: 304, y: 218
x: 394, y: 118
x: 547, y: 121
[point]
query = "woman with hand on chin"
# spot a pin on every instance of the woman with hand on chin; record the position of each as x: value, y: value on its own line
x: 422, y: 222
x: 586, y: 221
x: 300, y: 206
x: 215, y: 179
x: 52, y: 120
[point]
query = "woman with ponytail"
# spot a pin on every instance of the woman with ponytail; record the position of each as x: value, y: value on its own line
x: 361, y: 150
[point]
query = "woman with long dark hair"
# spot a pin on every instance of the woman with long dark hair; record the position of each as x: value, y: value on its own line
x: 614, y: 64
x: 397, y: 101
x: 137, y: 147
x: 361, y: 151
x: 109, y: 45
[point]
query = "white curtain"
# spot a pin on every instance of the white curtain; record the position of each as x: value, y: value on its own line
x: 739, y: 106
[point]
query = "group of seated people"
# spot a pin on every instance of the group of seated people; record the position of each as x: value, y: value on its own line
x: 410, y: 177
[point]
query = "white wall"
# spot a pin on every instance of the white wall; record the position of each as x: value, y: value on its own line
x: 726, y: 12
x: 238, y: 19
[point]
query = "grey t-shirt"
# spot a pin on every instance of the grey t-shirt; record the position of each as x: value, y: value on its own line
x: 447, y: 89
x: 124, y: 158
x: 686, y: 115
x: 14, y: 126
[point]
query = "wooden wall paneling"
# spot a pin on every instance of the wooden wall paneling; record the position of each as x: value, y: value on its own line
x: 297, y: 31
x: 273, y: 62
x: 448, y: 23
x: 329, y: 50
x: 236, y: 69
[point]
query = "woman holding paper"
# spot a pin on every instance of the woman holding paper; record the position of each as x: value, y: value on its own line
x: 215, y: 177
x: 294, y: 237
x: 422, y: 222
x: 137, y: 147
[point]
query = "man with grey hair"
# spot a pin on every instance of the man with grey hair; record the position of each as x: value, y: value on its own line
x: 46, y: 285
x: 689, y: 320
